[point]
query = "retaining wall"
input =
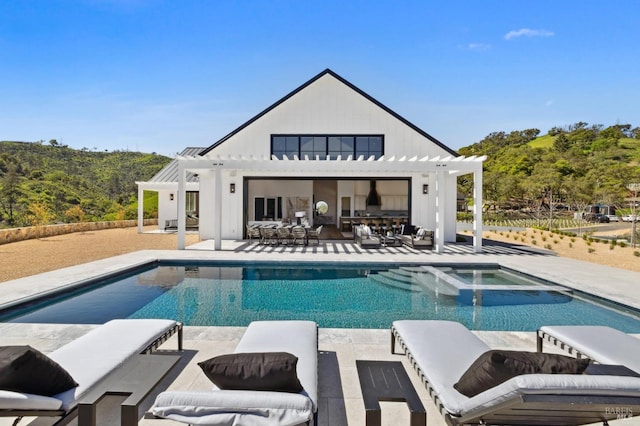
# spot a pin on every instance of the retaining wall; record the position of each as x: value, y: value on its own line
x: 13, y: 235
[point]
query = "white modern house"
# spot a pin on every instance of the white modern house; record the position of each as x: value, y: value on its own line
x: 325, y: 141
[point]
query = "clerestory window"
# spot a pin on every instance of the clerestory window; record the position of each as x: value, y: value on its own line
x: 329, y: 145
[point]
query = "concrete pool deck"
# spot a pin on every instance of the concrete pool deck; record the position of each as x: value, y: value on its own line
x: 340, y: 398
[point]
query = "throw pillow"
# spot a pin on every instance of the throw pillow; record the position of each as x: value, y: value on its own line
x: 268, y: 371
x: 495, y: 367
x: 27, y: 370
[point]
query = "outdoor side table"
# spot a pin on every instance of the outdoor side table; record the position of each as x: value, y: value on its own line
x: 388, y: 381
x: 136, y: 378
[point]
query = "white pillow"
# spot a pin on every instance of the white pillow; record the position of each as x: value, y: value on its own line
x: 420, y: 232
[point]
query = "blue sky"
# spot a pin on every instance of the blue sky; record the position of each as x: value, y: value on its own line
x: 157, y: 76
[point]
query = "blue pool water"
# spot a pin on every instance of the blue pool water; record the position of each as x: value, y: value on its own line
x: 360, y: 296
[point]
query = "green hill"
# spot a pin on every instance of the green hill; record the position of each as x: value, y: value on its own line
x: 61, y: 184
x: 572, y: 166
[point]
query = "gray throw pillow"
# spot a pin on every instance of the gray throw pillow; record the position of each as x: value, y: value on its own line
x: 25, y: 369
x: 495, y: 367
x: 263, y: 371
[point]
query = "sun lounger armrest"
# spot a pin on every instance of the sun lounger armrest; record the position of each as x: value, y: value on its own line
x: 233, y: 407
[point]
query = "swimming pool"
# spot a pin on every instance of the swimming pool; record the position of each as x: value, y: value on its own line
x: 335, y: 296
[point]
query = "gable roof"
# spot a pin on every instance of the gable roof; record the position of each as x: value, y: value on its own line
x: 351, y: 86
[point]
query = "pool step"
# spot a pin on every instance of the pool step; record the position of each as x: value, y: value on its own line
x: 391, y: 281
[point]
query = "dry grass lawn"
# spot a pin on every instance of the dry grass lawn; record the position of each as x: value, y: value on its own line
x: 572, y: 247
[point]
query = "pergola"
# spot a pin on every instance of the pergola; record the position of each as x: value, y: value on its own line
x: 444, y: 168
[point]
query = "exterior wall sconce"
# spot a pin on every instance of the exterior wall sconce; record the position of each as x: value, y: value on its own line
x: 232, y: 188
x: 171, y: 197
x: 425, y: 189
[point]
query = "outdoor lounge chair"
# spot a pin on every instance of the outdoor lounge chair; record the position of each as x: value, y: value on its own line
x: 602, y: 344
x: 365, y: 238
x: 421, y: 239
x: 255, y: 407
x: 442, y: 351
x: 89, y: 359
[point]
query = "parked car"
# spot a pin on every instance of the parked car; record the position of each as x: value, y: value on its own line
x: 613, y: 218
x: 630, y: 218
x: 597, y: 218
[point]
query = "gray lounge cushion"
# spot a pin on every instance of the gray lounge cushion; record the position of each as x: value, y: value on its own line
x: 549, y: 384
x: 262, y: 371
x: 234, y: 407
x: 495, y: 367
x: 25, y: 369
x: 600, y: 343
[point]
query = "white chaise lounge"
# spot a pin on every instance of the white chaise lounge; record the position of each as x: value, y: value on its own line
x: 442, y: 351
x: 602, y: 344
x: 252, y: 407
x: 88, y: 360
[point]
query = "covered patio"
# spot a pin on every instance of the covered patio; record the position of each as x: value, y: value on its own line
x: 223, y: 199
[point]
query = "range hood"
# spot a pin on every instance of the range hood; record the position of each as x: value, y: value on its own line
x: 373, y: 199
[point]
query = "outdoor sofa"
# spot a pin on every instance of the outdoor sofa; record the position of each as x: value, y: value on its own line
x: 420, y: 238
x: 88, y: 360
x: 242, y: 404
x: 365, y: 238
x: 443, y: 351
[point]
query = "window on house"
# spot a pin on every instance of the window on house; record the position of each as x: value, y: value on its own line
x: 330, y: 145
x: 267, y: 208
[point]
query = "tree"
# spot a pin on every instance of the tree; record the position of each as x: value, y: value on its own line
x: 10, y: 191
x: 39, y: 215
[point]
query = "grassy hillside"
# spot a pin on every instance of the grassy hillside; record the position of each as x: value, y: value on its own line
x: 51, y: 183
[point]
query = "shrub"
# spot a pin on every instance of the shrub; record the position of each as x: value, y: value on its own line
x: 555, y: 241
x: 636, y: 253
x: 548, y: 246
x: 534, y: 242
x: 622, y: 244
x: 570, y: 245
x: 573, y: 240
x: 592, y: 250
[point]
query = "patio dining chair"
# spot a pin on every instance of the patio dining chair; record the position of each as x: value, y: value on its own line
x: 299, y: 234
x: 284, y: 235
x: 253, y: 233
x: 314, y: 234
x: 268, y: 235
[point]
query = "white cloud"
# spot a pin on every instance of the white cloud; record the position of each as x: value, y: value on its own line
x: 527, y: 32
x: 478, y: 46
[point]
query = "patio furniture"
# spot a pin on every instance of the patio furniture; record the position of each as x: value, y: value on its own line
x: 442, y: 352
x: 255, y: 407
x: 253, y: 233
x: 299, y: 235
x: 268, y: 235
x: 603, y: 344
x: 421, y: 239
x: 89, y: 360
x: 284, y: 235
x: 136, y: 378
x: 365, y: 238
x: 314, y: 234
x: 387, y: 381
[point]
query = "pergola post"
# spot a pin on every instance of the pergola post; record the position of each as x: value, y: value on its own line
x: 182, y: 214
x: 140, y: 209
x: 217, y: 200
x: 440, y: 208
x: 477, y: 211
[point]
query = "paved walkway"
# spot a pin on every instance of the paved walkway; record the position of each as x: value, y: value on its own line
x: 340, y: 397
